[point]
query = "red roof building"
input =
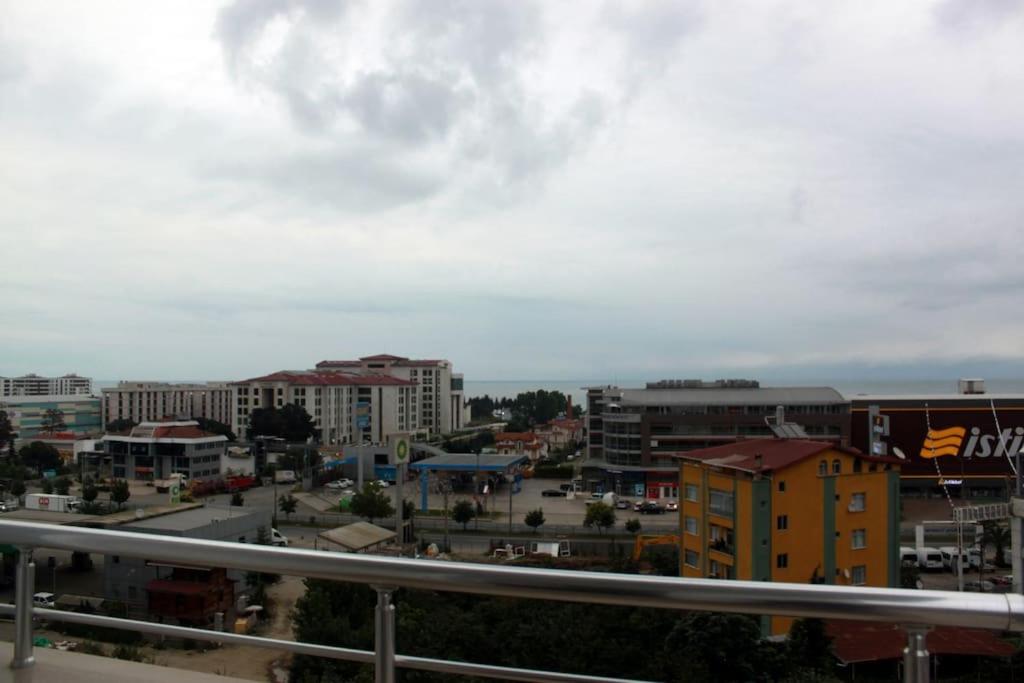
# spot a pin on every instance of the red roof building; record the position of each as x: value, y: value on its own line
x: 520, y: 443
x: 867, y: 641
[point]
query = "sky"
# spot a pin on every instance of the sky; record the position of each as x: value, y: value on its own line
x: 207, y: 190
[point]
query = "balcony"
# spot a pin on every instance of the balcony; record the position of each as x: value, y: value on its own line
x: 723, y: 546
x: 916, y: 610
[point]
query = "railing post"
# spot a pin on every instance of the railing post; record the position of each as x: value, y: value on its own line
x: 384, y: 636
x: 25, y: 578
x: 915, y: 656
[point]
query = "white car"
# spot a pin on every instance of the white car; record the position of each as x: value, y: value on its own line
x: 278, y: 539
x: 336, y: 485
x: 346, y: 483
x: 44, y: 600
x: 382, y: 484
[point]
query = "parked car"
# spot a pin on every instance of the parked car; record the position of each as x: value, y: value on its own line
x: 637, y: 505
x: 672, y: 506
x: 44, y: 600
x: 598, y: 495
x: 552, y: 493
x: 278, y: 539
x: 1006, y: 580
x: 336, y: 485
x: 623, y: 504
x: 382, y: 484
x: 651, y: 508
x: 979, y: 586
x: 8, y: 505
x: 346, y: 483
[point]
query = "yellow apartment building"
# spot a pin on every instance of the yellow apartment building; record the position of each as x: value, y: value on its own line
x: 791, y: 510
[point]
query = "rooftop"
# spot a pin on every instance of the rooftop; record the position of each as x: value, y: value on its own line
x: 358, y: 536
x: 329, y: 378
x: 167, y: 429
x: 465, y: 462
x: 868, y: 641
x: 775, y: 454
x: 732, y: 396
x: 191, y: 518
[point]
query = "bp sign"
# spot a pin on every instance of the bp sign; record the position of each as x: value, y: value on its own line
x: 175, y: 490
x: 401, y: 450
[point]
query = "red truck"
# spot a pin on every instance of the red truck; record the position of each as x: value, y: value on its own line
x: 240, y: 482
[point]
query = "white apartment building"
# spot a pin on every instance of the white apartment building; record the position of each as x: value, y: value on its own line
x: 36, y: 385
x: 440, y: 399
x: 153, y: 401
x: 346, y: 407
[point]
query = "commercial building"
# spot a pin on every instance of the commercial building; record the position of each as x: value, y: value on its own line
x: 147, y: 401
x: 958, y: 444
x: 440, y: 400
x: 31, y: 415
x: 155, y: 450
x: 632, y: 434
x: 789, y: 510
x: 36, y: 385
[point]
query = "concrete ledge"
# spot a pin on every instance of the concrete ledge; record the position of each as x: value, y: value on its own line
x: 54, y: 666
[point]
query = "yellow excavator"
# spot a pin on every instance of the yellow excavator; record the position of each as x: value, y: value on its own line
x: 644, y: 540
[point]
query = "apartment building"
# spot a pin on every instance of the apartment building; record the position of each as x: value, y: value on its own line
x: 147, y: 401
x: 36, y: 385
x: 346, y: 407
x: 440, y: 398
x: 789, y: 510
x: 155, y: 450
x: 633, y: 434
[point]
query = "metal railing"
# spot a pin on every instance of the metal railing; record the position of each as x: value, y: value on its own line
x: 916, y: 610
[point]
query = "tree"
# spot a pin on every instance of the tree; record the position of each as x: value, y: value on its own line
x: 463, y: 512
x: 61, y: 486
x: 47, y: 486
x: 40, y: 456
x: 810, y: 647
x: 18, y: 488
x: 53, y: 421
x: 297, y: 458
x: 998, y: 536
x: 718, y: 647
x: 633, y: 526
x: 215, y: 427
x: 291, y: 423
x: 534, y: 519
x: 121, y: 425
x: 120, y: 493
x: 371, y: 503
x: 237, y: 499
x: 89, y: 491
x: 6, y: 430
x: 287, y: 505
x: 600, y: 515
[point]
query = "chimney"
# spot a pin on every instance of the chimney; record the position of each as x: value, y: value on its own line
x: 568, y: 407
x: 758, y: 461
x: 780, y: 415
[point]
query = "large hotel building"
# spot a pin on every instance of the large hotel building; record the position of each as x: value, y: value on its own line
x: 154, y: 401
x: 36, y: 385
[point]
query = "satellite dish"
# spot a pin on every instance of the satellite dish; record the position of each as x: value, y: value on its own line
x: 846, y: 573
x: 899, y: 454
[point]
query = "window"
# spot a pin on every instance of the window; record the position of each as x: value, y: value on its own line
x: 782, y: 522
x: 859, y: 539
x: 782, y: 561
x: 837, y: 467
x: 858, y: 502
x: 721, y: 502
x: 691, y: 525
x: 858, y: 465
x: 691, y: 492
x: 822, y: 468
x: 691, y: 558
x: 859, y: 575
x: 782, y: 487
x: 713, y: 573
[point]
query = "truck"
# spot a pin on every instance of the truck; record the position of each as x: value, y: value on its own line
x: 284, y: 477
x: 239, y: 482
x: 51, y: 502
x: 164, y: 485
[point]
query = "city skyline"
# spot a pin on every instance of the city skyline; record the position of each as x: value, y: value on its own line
x: 527, y: 189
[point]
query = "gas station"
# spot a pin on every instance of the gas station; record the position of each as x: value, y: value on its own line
x: 506, y: 468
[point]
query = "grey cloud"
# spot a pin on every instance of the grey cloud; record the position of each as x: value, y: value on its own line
x: 968, y: 16
x: 653, y: 31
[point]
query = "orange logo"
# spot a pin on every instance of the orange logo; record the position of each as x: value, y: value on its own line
x: 943, y: 442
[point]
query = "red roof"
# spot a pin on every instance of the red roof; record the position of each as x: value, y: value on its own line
x: 330, y: 379
x: 776, y: 454
x: 867, y: 641
x: 180, y: 433
x: 383, y: 356
x: 395, y: 360
x: 515, y: 436
x: 176, y: 587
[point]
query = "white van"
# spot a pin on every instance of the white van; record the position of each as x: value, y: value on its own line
x: 949, y: 558
x: 908, y: 556
x: 44, y: 600
x: 278, y: 539
x: 929, y: 558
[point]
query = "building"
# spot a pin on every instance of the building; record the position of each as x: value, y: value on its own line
x: 184, y: 594
x: 441, y: 398
x: 958, y: 444
x: 148, y: 401
x: 520, y: 443
x: 633, y: 434
x: 29, y: 414
x: 36, y: 385
x: 347, y: 408
x: 789, y: 510
x: 155, y: 450
x: 561, y: 433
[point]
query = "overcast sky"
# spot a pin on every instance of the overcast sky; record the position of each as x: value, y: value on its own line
x: 532, y: 190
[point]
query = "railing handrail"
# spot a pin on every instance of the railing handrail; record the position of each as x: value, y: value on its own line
x: 1004, y: 612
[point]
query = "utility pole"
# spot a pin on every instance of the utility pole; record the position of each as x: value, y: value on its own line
x: 511, y: 485
x: 1016, y: 530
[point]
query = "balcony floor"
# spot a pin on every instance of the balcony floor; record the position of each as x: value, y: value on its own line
x: 54, y: 666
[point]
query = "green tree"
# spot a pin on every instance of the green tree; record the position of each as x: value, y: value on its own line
x: 998, y: 536
x: 40, y: 456
x: 53, y: 421
x: 534, y: 519
x: 810, y: 648
x: 371, y: 503
x: 6, y: 430
x: 463, y: 513
x: 61, y: 486
x: 287, y: 505
x: 237, y: 499
x: 297, y: 458
x: 18, y: 488
x: 600, y: 515
x: 121, y: 425
x: 291, y: 423
x: 719, y: 647
x: 215, y: 427
x: 89, y: 491
x: 120, y: 493
x: 633, y: 526
x: 47, y: 486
